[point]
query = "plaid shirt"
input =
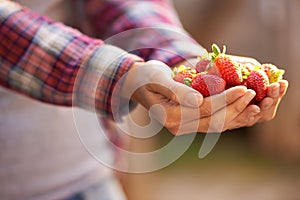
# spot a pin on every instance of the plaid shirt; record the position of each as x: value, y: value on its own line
x: 57, y: 64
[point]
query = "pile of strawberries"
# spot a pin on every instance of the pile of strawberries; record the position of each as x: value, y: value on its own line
x: 217, y: 71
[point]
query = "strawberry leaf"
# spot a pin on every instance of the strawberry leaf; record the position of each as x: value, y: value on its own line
x: 215, y: 49
x: 187, y: 81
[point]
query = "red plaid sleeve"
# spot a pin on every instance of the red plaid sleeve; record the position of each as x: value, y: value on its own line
x: 151, y: 28
x: 57, y: 64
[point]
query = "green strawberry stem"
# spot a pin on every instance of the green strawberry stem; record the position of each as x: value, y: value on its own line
x: 277, y: 76
x: 216, y: 51
x: 187, y: 81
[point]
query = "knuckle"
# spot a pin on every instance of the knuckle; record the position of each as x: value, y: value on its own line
x: 173, y: 131
x: 252, y: 120
x: 205, y: 110
x: 216, y: 126
x: 226, y: 128
x: 251, y: 123
x: 203, y: 128
x: 229, y: 99
x: 239, y: 107
x: 238, y: 124
x: 171, y: 124
x: 172, y: 95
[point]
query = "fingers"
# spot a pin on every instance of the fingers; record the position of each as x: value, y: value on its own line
x: 269, y: 105
x: 231, y: 112
x: 223, y: 112
x: 180, y: 93
x: 173, y: 115
x: 216, y: 102
x: 222, y: 119
x: 248, y: 117
x: 162, y: 82
x: 273, y: 90
x: 183, y: 110
x: 215, y: 111
x: 283, y: 87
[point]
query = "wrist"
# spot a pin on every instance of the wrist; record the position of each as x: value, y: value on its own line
x: 130, y: 79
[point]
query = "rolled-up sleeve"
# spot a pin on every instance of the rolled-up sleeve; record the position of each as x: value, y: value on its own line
x: 54, y: 63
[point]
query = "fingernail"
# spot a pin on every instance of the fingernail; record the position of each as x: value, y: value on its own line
x: 249, y: 96
x: 194, y: 99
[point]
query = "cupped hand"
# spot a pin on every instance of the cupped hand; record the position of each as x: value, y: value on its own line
x: 269, y: 105
x: 182, y: 109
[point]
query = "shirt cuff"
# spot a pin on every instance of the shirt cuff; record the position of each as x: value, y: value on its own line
x: 97, y: 87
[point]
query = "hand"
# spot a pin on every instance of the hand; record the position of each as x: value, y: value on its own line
x: 269, y: 105
x: 180, y: 108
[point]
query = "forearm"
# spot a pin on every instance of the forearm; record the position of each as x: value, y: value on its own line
x: 56, y: 64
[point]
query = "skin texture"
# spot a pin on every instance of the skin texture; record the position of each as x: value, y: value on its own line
x: 183, y: 110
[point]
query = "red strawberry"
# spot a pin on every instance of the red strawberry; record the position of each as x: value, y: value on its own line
x: 202, y: 65
x: 213, y: 70
x: 228, y: 68
x: 274, y: 74
x: 183, y: 74
x: 247, y: 68
x: 205, y: 65
x: 208, y: 84
x: 259, y: 82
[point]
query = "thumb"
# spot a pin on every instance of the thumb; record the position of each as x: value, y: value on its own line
x: 173, y: 90
x: 182, y: 94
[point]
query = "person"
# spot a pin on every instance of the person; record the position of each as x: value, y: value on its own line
x: 55, y: 56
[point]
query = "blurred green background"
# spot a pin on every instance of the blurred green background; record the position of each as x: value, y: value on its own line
x: 261, y: 162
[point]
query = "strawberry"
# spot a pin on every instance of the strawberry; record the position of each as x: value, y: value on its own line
x: 274, y: 74
x: 208, y: 84
x: 259, y: 82
x: 216, y: 72
x: 212, y: 69
x: 228, y: 68
x: 183, y: 74
x: 205, y: 65
x: 247, y: 68
x: 202, y: 65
